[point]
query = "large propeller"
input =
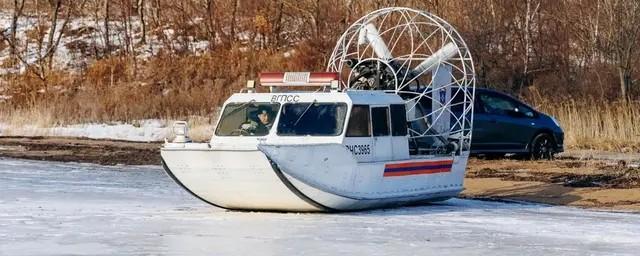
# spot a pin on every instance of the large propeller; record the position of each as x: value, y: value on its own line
x: 448, y: 51
x: 369, y: 36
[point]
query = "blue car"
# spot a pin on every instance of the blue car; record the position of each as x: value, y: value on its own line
x: 503, y: 125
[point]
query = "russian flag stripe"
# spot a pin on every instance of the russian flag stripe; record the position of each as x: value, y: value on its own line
x: 416, y: 168
x: 414, y: 164
x: 416, y: 172
x: 426, y: 167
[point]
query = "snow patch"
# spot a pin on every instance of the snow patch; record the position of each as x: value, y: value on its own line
x: 146, y: 130
x: 85, y: 35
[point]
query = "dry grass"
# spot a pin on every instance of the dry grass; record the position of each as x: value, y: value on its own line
x: 595, y: 124
x: 587, y: 124
x: 122, y: 89
x: 188, y: 87
x: 116, y: 90
x: 24, y: 117
x: 201, y: 128
x: 119, y: 88
x: 590, y: 124
x: 38, y: 123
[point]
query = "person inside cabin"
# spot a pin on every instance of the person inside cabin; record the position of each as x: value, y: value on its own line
x: 260, y: 123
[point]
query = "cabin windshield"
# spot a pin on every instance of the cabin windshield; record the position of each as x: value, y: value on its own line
x: 312, y: 118
x: 247, y: 119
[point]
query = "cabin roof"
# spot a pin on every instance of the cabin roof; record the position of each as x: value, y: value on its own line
x: 349, y: 96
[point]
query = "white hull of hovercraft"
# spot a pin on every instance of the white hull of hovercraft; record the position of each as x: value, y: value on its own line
x: 303, y: 178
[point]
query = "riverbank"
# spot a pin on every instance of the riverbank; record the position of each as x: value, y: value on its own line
x: 610, y: 184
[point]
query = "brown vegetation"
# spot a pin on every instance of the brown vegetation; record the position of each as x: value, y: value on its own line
x: 576, y: 59
x: 596, y: 124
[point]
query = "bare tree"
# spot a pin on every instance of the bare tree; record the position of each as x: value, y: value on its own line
x: 212, y: 24
x: 620, y: 38
x: 143, y: 26
x: 47, y: 48
x: 51, y: 44
x: 105, y: 10
x: 18, y: 7
x: 530, y: 18
x: 234, y: 20
x: 128, y: 30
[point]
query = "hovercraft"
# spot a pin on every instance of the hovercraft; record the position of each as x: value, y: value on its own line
x: 387, y: 124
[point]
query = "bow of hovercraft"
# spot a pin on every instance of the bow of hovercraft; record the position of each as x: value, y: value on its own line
x: 232, y: 177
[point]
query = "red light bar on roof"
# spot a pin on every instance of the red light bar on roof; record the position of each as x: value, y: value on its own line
x: 297, y: 78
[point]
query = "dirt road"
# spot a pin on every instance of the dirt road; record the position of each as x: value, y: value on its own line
x: 597, y: 180
x: 593, y: 183
x: 106, y: 152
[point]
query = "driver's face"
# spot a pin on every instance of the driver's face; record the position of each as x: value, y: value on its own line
x: 264, y: 117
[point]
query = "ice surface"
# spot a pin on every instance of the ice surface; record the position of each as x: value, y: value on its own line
x: 49, y: 208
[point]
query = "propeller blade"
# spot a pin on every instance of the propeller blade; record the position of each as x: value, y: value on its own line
x: 369, y: 34
x: 444, y: 53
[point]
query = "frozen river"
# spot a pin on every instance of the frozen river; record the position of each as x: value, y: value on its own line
x: 49, y: 208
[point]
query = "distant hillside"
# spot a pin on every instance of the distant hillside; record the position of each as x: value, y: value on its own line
x: 67, y: 61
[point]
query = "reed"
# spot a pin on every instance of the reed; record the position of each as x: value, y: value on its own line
x: 589, y: 124
x: 597, y: 124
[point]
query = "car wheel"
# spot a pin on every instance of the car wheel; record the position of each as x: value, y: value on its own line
x: 542, y: 147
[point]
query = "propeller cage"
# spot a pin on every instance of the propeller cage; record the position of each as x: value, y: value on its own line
x: 423, y: 59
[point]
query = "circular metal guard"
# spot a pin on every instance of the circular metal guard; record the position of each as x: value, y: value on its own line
x: 424, y: 60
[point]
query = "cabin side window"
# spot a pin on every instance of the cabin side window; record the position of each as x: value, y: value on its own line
x: 398, y: 120
x: 247, y: 119
x: 312, y: 119
x: 380, y: 121
x: 359, y: 122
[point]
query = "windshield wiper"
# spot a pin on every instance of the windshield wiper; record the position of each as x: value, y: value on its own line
x: 305, y: 111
